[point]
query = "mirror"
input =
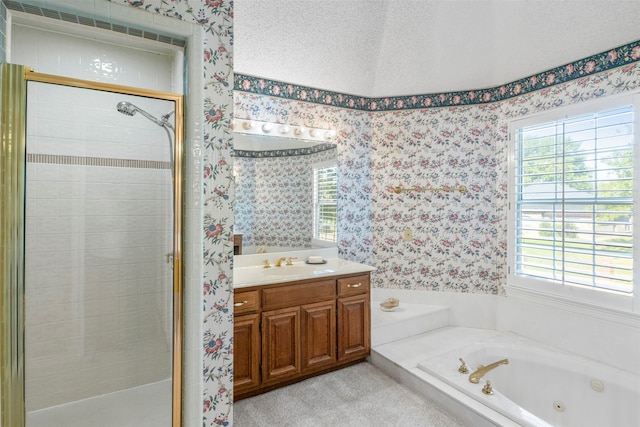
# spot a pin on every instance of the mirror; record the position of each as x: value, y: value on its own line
x: 285, y: 194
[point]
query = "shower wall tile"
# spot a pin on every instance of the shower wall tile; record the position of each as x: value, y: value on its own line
x: 97, y: 281
x: 75, y: 56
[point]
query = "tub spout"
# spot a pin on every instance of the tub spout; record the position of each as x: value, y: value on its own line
x: 482, y: 370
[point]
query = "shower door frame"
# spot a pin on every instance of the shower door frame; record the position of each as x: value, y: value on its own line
x: 13, y: 110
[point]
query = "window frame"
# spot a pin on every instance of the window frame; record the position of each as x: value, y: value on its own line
x: 592, y: 297
x: 314, y: 168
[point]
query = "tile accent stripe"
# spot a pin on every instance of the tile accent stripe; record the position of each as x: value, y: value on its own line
x: 91, y: 22
x: 604, y: 61
x: 56, y: 159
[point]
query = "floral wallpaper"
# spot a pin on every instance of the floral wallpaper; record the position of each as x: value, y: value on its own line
x: 353, y: 140
x: 274, y: 201
x: 459, y: 241
x: 454, y: 244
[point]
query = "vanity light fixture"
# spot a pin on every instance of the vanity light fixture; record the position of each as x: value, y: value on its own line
x: 255, y: 127
x: 328, y: 135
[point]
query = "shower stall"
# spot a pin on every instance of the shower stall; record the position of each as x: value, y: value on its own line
x: 98, y: 180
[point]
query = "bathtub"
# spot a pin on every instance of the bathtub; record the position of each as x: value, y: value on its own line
x: 542, y: 386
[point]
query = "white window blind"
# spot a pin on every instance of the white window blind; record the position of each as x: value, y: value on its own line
x: 325, y: 202
x: 574, y: 201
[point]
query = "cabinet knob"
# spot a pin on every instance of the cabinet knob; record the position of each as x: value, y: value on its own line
x: 354, y: 285
x: 240, y: 304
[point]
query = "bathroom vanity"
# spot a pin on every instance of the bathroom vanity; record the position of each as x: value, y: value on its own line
x: 296, y: 323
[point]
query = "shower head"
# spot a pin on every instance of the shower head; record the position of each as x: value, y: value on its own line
x: 129, y: 109
x: 126, y: 108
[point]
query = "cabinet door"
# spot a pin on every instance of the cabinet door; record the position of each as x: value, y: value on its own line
x: 280, y: 344
x: 318, y: 335
x: 354, y: 327
x: 246, y: 353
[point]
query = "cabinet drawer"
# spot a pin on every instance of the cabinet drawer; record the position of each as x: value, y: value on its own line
x: 353, y: 285
x: 303, y: 293
x: 245, y: 302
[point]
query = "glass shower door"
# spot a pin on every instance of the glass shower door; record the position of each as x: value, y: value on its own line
x: 98, y: 258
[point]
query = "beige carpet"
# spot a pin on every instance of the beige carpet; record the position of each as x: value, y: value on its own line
x: 360, y: 395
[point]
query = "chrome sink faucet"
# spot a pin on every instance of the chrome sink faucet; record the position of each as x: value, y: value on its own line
x: 483, y: 370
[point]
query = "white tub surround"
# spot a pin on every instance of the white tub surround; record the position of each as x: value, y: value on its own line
x: 250, y: 271
x: 407, y: 320
x: 400, y: 360
x: 541, y: 385
x: 599, y: 333
x: 464, y: 309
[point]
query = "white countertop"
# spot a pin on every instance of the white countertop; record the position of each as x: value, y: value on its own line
x: 254, y: 275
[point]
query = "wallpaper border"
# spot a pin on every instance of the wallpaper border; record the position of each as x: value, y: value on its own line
x: 582, y: 68
x: 283, y: 153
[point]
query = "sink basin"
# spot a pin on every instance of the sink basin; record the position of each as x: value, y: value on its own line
x: 289, y: 271
x: 295, y: 271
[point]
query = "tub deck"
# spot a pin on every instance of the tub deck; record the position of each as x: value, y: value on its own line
x: 414, y: 333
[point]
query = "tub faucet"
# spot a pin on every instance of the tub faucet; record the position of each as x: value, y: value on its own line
x: 483, y: 370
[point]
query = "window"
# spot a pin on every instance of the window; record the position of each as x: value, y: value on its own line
x: 572, y: 202
x: 325, y: 202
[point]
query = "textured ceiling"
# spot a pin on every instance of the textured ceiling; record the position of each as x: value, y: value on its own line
x: 380, y: 48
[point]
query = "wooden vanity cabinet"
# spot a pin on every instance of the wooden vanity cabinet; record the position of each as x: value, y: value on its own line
x: 354, y: 318
x: 280, y: 344
x: 306, y: 328
x: 354, y: 335
x: 318, y: 335
x: 246, y: 342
